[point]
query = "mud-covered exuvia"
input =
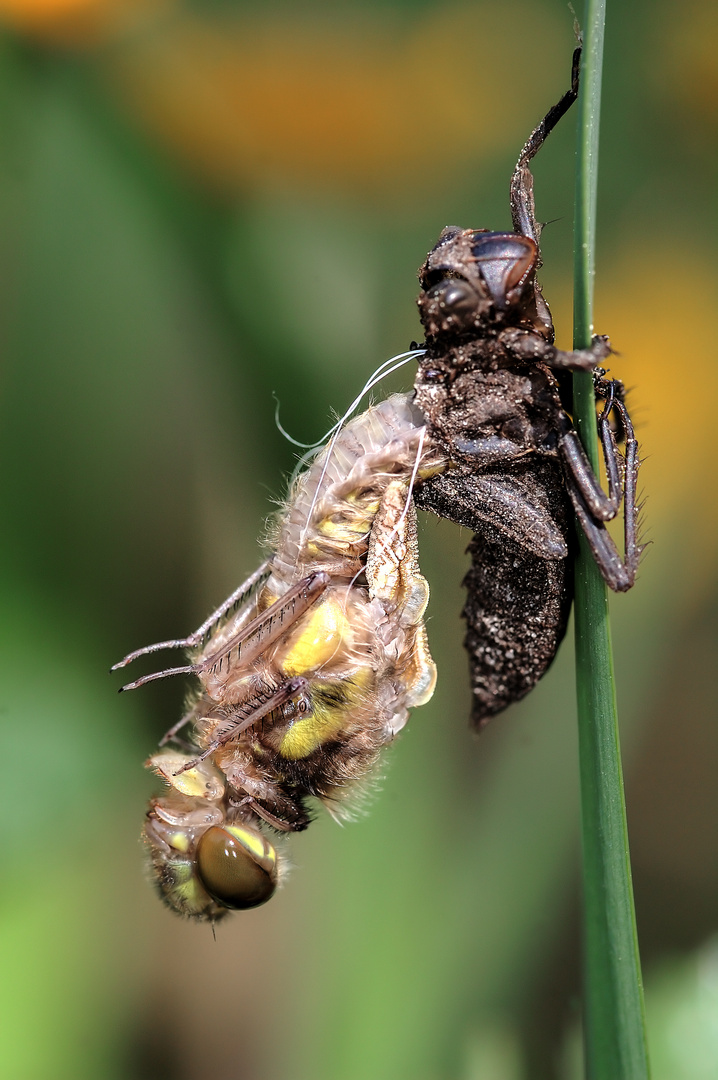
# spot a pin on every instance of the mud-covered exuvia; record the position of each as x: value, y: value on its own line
x: 491, y: 385
x: 308, y: 670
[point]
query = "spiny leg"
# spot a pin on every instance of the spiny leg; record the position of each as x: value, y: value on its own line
x: 171, y: 734
x: 251, y: 712
x: 271, y: 819
x: 580, y: 359
x: 192, y: 715
x: 263, y: 631
x: 602, y: 507
x: 631, y: 466
x: 197, y: 636
x: 528, y: 346
x: 618, y: 573
x: 188, y: 669
x: 256, y: 635
x: 183, y: 744
x: 523, y: 214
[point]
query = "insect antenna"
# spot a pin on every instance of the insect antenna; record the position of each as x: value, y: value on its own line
x: 412, y: 479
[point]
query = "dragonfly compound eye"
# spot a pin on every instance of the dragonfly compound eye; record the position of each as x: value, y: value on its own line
x: 505, y: 262
x: 451, y: 304
x: 237, y: 866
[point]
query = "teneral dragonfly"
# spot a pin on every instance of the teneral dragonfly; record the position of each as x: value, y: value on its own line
x: 305, y: 672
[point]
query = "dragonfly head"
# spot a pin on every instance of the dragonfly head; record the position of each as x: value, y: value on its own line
x: 474, y: 278
x: 205, y: 865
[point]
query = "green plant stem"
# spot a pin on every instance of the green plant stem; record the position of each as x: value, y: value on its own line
x: 614, y: 1027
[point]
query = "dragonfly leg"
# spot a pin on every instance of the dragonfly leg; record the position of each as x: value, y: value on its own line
x: 592, y: 506
x: 602, y: 506
x: 266, y: 815
x: 171, y: 734
x: 254, y: 637
x: 242, y: 593
x: 260, y: 705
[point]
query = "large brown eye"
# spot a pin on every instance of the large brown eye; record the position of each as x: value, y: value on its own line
x: 457, y: 295
x: 237, y: 866
x: 504, y: 261
x: 455, y: 299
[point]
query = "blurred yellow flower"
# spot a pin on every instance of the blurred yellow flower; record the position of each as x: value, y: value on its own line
x: 369, y: 106
x: 669, y: 365
x: 687, y: 73
x: 30, y: 11
x: 74, y: 23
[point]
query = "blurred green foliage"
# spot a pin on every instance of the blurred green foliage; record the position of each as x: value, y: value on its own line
x: 204, y: 204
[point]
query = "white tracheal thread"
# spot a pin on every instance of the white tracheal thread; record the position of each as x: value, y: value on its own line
x: 385, y: 369
x: 336, y: 430
x: 412, y: 481
x: 377, y: 375
x: 380, y: 373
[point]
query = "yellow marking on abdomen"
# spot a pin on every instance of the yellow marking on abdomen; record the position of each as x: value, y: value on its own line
x: 307, y: 735
x: 322, y: 633
x: 332, y: 705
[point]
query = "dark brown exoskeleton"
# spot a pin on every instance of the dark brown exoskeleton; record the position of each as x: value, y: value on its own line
x: 489, y: 386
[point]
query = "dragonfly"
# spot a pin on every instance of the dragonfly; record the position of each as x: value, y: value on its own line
x: 309, y: 669
x: 302, y: 676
